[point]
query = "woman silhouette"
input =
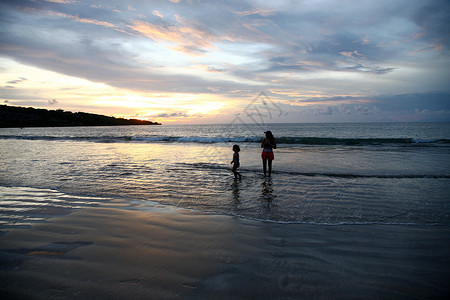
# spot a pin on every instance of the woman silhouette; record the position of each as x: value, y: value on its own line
x: 268, y: 144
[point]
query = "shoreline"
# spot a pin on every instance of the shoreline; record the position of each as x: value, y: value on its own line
x: 172, y: 253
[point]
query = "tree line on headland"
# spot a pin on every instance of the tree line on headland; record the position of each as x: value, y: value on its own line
x: 16, y: 116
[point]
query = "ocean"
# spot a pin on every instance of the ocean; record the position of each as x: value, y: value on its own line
x: 324, y: 174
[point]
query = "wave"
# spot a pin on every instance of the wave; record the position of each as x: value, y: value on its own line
x: 99, y: 139
x: 325, y: 141
x: 198, y: 139
x: 313, y: 141
x: 308, y: 141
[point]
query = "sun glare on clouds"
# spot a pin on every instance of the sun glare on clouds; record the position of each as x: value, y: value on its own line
x: 72, y: 94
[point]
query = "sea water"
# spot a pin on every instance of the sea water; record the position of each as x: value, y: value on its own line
x: 383, y: 173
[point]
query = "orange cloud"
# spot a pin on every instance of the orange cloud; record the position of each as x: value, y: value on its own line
x: 187, y: 37
x: 158, y: 14
x: 351, y: 54
x: 82, y: 20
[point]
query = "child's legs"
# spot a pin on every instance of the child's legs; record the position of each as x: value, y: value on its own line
x: 234, y: 170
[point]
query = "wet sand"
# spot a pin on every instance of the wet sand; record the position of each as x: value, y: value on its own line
x: 114, y: 253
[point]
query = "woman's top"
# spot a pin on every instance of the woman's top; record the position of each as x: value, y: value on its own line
x: 268, y: 145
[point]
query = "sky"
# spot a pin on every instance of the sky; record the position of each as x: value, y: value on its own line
x: 200, y: 62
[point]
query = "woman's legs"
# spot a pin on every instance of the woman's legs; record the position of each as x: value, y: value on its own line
x: 264, y: 165
x: 270, y: 167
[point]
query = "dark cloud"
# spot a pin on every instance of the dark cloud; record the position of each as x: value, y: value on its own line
x: 327, y: 111
x: 286, y: 63
x: 362, y: 109
x: 17, y: 81
x: 433, y: 19
x: 433, y: 101
x: 413, y: 106
x: 172, y: 115
x: 369, y: 69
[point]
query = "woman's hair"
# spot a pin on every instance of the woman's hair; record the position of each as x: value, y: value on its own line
x: 269, y: 135
x: 236, y: 148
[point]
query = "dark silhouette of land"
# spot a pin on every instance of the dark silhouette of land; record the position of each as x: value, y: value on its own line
x: 16, y: 116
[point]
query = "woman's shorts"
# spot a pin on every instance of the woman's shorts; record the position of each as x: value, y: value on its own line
x: 267, y: 155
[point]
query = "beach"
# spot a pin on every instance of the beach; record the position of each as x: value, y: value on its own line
x: 351, y: 211
x: 172, y: 253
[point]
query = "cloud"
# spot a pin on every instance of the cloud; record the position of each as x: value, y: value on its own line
x: 431, y: 106
x: 351, y: 54
x: 433, y: 101
x: 187, y: 37
x: 17, y: 81
x: 422, y: 112
x: 257, y: 11
x: 96, y: 59
x: 235, y: 51
x: 172, y: 115
x: 157, y: 13
x: 82, y: 20
x: 369, y: 69
x: 328, y: 110
x: 432, y: 18
x: 362, y: 110
x: 342, y: 108
x: 61, y: 1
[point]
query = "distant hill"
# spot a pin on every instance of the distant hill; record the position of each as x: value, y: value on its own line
x: 15, y: 116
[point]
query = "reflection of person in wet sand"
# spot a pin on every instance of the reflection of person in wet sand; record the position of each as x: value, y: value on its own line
x: 236, y: 194
x: 267, y: 191
x: 235, y: 161
x: 268, y: 144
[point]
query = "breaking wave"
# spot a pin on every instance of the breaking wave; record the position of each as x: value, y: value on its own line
x: 312, y: 141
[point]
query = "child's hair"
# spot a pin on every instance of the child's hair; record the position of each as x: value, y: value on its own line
x: 236, y: 148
